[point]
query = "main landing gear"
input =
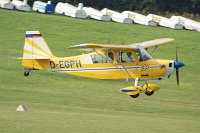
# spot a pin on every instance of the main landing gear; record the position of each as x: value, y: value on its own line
x: 140, y: 89
x: 148, y: 91
x: 26, y: 71
x: 135, y: 96
x: 135, y: 90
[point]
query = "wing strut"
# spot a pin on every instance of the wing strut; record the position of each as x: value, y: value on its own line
x: 124, y: 69
x: 154, y: 50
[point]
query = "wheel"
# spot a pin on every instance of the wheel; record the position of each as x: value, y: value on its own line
x: 26, y: 73
x: 135, y: 96
x: 149, y: 93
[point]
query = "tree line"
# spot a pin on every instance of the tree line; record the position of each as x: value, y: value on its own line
x: 144, y: 6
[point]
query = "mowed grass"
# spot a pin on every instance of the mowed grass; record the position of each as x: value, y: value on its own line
x: 61, y: 103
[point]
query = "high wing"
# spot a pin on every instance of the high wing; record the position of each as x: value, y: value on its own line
x: 153, y: 43
x: 103, y: 47
x: 146, y: 44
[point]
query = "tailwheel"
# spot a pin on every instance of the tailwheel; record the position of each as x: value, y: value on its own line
x: 135, y: 96
x: 26, y: 72
x: 149, y: 93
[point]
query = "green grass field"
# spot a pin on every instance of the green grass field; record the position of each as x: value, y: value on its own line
x: 60, y: 103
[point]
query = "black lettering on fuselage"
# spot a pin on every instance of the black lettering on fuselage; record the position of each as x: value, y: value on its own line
x: 61, y: 64
x: 52, y: 64
x: 68, y: 64
x: 78, y: 63
x: 71, y: 63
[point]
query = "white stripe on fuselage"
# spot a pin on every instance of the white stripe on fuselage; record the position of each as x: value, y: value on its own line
x: 104, y: 69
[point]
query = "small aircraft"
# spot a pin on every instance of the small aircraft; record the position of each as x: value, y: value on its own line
x: 129, y: 62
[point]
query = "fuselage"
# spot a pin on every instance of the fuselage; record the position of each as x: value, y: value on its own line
x: 103, y: 65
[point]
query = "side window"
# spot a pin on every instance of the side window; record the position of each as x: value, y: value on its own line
x: 103, y: 58
x: 126, y: 57
x: 98, y: 58
x: 110, y: 57
x: 94, y: 58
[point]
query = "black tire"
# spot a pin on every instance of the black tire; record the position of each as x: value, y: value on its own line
x: 26, y: 73
x: 135, y: 96
x: 149, y: 93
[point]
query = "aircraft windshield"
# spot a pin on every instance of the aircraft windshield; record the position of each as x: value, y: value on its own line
x: 142, y: 54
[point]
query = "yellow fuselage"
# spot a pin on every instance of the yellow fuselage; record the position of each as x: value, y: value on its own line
x: 76, y: 65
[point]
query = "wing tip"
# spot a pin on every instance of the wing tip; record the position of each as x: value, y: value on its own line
x: 170, y: 39
x: 78, y: 46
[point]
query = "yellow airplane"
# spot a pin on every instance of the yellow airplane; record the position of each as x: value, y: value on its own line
x: 129, y: 62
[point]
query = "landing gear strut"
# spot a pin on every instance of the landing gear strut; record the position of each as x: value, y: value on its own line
x: 136, y: 95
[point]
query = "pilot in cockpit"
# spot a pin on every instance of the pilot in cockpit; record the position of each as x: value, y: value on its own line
x: 129, y: 57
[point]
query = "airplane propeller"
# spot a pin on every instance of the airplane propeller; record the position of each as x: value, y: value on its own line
x: 177, y: 65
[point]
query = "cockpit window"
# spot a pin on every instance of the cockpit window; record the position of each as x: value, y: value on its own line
x: 142, y: 54
x: 126, y: 57
x: 110, y: 57
x: 102, y: 58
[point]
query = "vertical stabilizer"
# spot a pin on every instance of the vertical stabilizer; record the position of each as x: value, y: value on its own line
x: 35, y: 47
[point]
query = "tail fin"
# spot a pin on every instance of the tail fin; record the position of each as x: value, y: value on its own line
x: 36, y: 54
x: 35, y: 47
